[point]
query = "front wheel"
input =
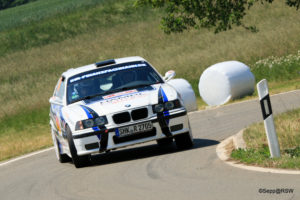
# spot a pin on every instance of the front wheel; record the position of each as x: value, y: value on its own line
x: 184, y: 141
x: 164, y: 142
x: 79, y: 161
x: 62, y: 158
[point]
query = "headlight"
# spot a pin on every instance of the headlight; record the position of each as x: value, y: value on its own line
x: 99, y: 121
x: 159, y: 108
x: 89, y: 123
x: 169, y: 105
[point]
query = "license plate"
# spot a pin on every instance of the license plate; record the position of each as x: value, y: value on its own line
x: 135, y: 129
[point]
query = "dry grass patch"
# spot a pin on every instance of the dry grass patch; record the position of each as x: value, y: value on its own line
x: 26, y: 141
x: 287, y: 128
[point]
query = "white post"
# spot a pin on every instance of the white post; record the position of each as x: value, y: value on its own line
x: 265, y: 103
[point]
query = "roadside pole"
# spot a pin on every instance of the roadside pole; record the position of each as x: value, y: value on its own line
x: 265, y: 103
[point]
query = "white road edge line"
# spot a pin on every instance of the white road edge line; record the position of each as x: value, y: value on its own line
x: 25, y: 156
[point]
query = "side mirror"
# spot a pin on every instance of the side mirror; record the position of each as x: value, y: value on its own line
x: 55, y: 100
x: 51, y: 100
x: 169, y: 75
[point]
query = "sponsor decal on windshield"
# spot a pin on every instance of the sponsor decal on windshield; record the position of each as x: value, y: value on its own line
x: 107, y: 71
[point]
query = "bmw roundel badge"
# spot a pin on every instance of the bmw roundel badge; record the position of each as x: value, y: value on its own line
x: 127, y: 105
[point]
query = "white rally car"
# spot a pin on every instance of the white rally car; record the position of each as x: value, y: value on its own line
x: 117, y: 103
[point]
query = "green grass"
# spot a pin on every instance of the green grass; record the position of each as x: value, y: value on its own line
x: 23, y: 120
x: 257, y: 151
x: 36, y: 48
x: 5, y: 4
x: 277, y: 69
x: 48, y: 21
x: 39, y: 10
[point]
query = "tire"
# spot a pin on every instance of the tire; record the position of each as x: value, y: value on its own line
x: 79, y: 161
x: 184, y: 141
x: 62, y: 158
x: 164, y: 142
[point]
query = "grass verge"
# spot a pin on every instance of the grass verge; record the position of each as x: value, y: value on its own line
x: 25, y: 132
x: 257, y: 151
x: 39, y: 10
x: 47, y: 21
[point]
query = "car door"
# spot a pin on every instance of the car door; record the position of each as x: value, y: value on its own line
x: 57, y: 103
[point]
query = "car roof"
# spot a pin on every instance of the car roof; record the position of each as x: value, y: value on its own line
x: 106, y: 63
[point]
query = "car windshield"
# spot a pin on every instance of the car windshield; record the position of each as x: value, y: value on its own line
x: 107, y: 80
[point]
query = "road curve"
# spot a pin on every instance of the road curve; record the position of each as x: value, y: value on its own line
x: 149, y: 172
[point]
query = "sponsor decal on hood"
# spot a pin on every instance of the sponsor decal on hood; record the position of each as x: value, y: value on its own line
x: 123, y: 98
x: 119, y: 94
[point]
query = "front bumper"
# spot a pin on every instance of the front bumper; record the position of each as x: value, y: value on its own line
x: 103, y: 140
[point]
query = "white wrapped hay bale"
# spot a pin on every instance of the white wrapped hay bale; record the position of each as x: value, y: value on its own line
x: 186, y: 92
x: 225, y: 81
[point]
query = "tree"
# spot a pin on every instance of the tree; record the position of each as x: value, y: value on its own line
x: 219, y: 14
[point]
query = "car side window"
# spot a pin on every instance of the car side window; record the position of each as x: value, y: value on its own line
x: 60, y: 89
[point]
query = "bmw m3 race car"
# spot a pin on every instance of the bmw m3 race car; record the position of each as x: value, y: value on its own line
x: 117, y: 103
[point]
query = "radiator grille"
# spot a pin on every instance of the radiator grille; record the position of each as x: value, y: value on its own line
x: 136, y: 114
x: 139, y: 114
x: 121, y: 117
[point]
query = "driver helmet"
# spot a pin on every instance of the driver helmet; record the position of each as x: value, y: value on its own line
x: 84, y: 88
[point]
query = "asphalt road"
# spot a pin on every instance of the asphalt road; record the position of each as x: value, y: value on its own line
x: 148, y: 172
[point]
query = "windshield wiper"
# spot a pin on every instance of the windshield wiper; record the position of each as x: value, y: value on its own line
x: 88, y: 97
x: 134, y: 86
x: 125, y: 88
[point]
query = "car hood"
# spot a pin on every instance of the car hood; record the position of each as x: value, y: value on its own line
x: 120, y: 101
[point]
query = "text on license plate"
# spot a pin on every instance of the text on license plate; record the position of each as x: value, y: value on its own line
x: 137, y: 128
